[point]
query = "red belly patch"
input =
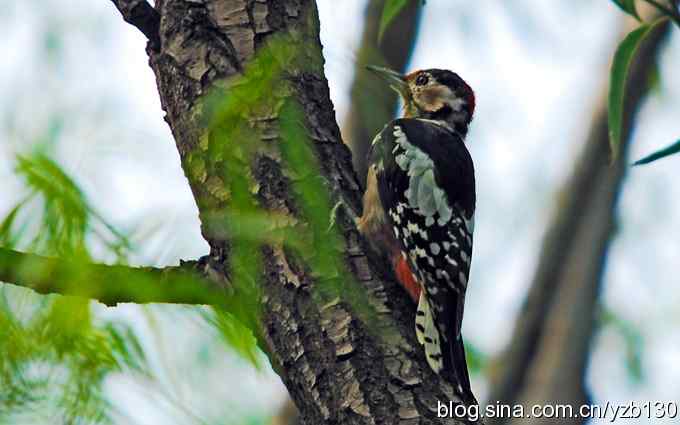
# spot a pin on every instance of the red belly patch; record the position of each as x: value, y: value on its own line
x: 404, y: 275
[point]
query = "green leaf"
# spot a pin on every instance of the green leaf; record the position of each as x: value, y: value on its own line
x: 628, y: 6
x: 7, y: 237
x: 390, y: 11
x: 65, y: 209
x: 667, y: 151
x: 617, y: 86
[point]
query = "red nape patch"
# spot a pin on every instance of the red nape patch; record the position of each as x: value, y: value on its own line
x: 406, y: 278
x: 470, y: 99
x: 471, y: 102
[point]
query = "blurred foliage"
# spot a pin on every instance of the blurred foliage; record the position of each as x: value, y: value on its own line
x: 234, y: 334
x: 54, y: 355
x: 323, y: 251
x: 66, y: 218
x: 253, y: 420
x: 54, y: 362
x: 621, y: 63
x: 633, y: 341
x: 231, y: 143
x: 477, y: 360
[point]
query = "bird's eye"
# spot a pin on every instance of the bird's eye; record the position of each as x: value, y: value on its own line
x: 422, y: 79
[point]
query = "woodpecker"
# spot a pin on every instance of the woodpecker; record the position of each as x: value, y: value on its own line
x: 419, y: 208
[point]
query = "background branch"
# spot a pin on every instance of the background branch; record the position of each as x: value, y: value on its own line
x: 548, y: 353
x: 371, y: 106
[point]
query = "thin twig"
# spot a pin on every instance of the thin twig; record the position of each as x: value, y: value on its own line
x: 143, y: 16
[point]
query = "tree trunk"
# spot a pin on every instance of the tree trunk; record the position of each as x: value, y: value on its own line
x: 336, y: 369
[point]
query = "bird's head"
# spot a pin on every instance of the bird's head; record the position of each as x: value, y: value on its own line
x: 436, y: 94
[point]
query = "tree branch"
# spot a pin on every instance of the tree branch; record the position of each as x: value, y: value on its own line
x: 141, y: 15
x: 548, y: 352
x: 110, y: 284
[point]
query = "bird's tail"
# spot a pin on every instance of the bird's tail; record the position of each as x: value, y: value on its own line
x: 459, y: 371
x: 445, y: 358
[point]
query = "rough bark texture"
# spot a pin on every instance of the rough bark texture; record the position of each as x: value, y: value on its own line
x: 335, y: 370
x: 547, y: 357
x: 371, y: 105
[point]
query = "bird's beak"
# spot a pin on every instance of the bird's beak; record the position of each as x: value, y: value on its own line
x: 397, y: 81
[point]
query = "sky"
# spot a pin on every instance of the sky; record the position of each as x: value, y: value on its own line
x: 535, y: 66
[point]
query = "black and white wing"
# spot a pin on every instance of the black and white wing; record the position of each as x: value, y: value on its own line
x: 427, y: 188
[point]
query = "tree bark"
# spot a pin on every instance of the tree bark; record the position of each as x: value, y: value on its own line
x: 336, y: 368
x: 547, y: 357
x: 371, y: 106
